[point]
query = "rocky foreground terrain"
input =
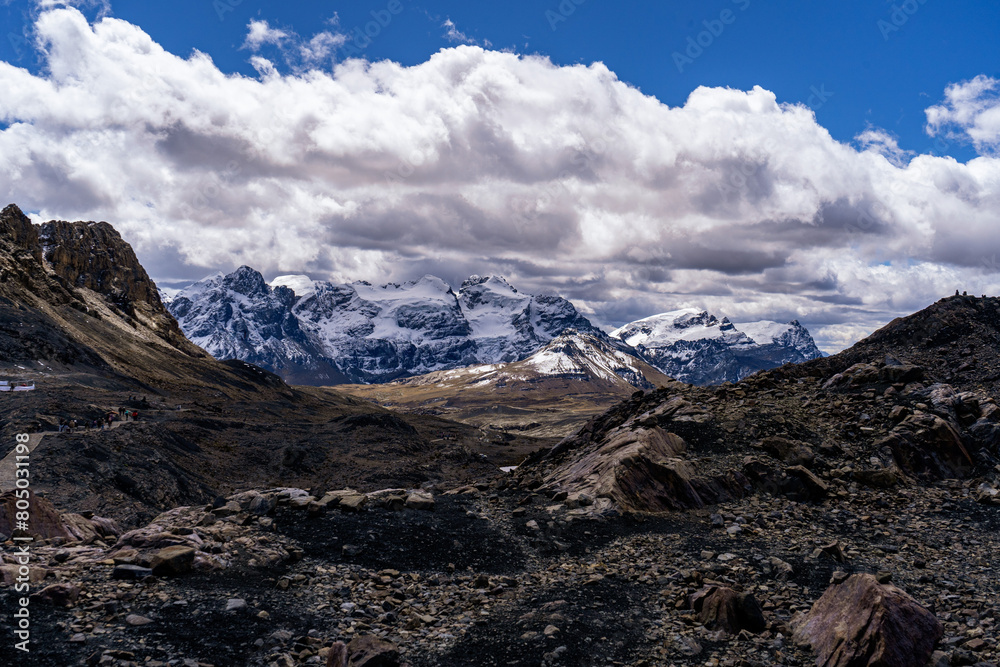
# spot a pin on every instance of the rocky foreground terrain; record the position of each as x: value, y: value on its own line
x: 739, y: 525
x: 840, y: 512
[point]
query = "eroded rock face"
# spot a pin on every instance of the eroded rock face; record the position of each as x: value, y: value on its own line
x: 369, y: 651
x: 643, y: 469
x: 927, y: 444
x: 48, y: 523
x: 861, y: 623
x: 93, y: 255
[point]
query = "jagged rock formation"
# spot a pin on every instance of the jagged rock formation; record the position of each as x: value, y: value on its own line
x: 316, y: 332
x: 239, y: 316
x: 695, y: 346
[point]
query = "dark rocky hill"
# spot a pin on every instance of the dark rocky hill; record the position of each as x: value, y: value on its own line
x: 916, y: 401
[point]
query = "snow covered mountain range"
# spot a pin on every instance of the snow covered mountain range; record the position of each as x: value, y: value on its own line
x: 696, y: 347
x: 321, y: 333
x: 315, y: 332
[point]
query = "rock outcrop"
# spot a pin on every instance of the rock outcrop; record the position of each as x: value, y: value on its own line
x: 641, y: 468
x: 722, y: 608
x: 862, y: 623
x: 93, y: 255
x: 47, y: 523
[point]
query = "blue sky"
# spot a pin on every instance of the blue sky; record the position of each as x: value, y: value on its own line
x: 867, y: 65
x: 835, y: 163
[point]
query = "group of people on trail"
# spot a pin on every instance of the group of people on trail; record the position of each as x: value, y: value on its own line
x: 104, y: 423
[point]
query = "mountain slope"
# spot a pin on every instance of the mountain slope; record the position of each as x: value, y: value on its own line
x: 80, y: 318
x: 550, y: 393
x: 317, y: 332
x: 695, y: 346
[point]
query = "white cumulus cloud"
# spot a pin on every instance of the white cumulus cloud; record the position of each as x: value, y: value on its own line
x: 971, y: 108
x: 260, y: 33
x: 562, y: 178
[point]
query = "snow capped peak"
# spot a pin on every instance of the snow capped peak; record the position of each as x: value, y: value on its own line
x: 587, y: 355
x: 303, y: 286
x: 247, y: 281
x: 667, y: 328
x: 695, y: 346
x: 492, y: 283
x: 432, y: 282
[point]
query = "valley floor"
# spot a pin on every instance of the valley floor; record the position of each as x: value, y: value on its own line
x: 497, y: 576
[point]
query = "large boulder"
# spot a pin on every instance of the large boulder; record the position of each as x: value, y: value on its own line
x: 804, y: 484
x: 369, y: 651
x: 45, y: 522
x: 792, y: 452
x: 861, y: 623
x: 722, y: 608
x: 926, y: 444
x: 420, y: 500
x: 172, y: 561
x: 643, y: 469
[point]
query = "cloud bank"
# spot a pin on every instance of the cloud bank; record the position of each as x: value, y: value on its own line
x: 477, y: 161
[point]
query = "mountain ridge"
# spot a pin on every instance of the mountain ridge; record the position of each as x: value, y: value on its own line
x: 363, y: 333
x: 316, y: 332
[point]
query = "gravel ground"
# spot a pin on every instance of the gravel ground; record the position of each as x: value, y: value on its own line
x: 473, y: 582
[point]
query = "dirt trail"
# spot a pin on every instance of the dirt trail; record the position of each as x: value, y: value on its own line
x: 8, y: 466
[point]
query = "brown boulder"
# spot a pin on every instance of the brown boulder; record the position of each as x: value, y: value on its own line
x: 45, y: 520
x: 172, y: 561
x: 793, y: 452
x: 420, y: 500
x: 805, y: 484
x: 927, y: 444
x: 369, y: 651
x: 722, y: 608
x: 59, y: 595
x: 861, y: 623
x: 337, y: 657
